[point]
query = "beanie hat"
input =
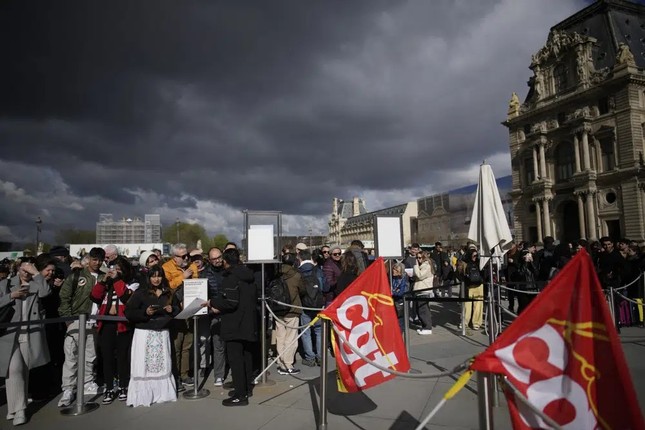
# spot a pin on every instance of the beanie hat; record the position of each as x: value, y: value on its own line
x: 143, y: 258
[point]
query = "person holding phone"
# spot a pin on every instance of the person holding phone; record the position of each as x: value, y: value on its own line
x: 25, y: 347
x: 115, y: 337
x: 151, y: 310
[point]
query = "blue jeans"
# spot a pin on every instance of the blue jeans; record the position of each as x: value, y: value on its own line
x: 306, y: 318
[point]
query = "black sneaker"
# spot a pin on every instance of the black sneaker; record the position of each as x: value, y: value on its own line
x: 292, y: 371
x: 232, y: 393
x: 310, y: 363
x: 123, y: 394
x: 189, y: 381
x: 235, y: 401
x: 181, y: 387
x: 318, y: 361
x: 108, y: 397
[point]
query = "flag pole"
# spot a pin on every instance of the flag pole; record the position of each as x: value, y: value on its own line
x: 484, y: 401
x: 322, y: 424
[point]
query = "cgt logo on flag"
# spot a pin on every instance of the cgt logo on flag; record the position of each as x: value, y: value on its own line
x: 564, y: 355
x: 541, y: 364
x: 365, y: 317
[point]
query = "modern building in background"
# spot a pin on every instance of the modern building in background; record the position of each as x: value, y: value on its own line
x: 128, y: 230
x: 577, y: 140
x: 443, y: 217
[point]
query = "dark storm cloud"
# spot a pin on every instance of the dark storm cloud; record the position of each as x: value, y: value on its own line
x: 133, y: 107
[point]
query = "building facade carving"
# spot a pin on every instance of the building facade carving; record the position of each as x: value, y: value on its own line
x: 577, y: 142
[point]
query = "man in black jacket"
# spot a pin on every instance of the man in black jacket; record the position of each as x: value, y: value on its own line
x: 214, y: 272
x: 237, y: 305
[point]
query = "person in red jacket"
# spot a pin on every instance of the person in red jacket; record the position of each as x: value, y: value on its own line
x: 115, y: 337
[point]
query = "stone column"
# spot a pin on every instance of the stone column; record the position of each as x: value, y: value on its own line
x: 591, y: 217
x: 585, y: 150
x: 581, y: 216
x: 536, y: 172
x: 538, y: 215
x: 576, y: 151
x: 599, y: 167
x: 542, y: 161
x: 547, y: 218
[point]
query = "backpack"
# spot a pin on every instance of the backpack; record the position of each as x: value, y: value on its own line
x: 313, y: 296
x: 279, y: 291
x: 473, y: 275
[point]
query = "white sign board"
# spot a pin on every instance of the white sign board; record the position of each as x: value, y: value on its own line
x: 389, y: 237
x: 195, y: 289
x: 260, y: 243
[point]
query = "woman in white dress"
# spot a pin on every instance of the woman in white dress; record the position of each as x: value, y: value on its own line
x: 150, y: 310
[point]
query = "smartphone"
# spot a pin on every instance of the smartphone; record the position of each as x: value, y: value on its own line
x: 155, y: 307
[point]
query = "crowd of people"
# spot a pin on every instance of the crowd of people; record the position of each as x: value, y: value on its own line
x: 137, y: 352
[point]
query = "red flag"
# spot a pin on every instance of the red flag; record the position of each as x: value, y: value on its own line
x: 364, y: 313
x: 564, y: 355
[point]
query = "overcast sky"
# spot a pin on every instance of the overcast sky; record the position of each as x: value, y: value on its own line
x: 199, y: 109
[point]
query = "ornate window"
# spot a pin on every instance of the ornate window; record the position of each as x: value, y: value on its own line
x: 608, y: 156
x: 561, y: 77
x: 564, y: 161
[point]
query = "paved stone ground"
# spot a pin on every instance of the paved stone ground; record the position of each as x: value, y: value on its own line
x: 292, y: 403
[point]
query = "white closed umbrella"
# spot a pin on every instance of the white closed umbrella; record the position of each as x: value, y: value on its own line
x: 488, y: 225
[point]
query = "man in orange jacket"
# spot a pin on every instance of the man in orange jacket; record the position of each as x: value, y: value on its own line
x: 176, y: 270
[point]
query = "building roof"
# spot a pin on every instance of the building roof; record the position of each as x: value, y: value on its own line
x: 610, y: 22
x: 504, y: 183
x: 367, y: 217
x: 346, y: 208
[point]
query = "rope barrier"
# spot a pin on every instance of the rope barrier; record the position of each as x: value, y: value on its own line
x: 627, y: 298
x: 279, y: 320
x: 506, y: 310
x: 293, y: 306
x: 518, y: 291
x: 257, y: 378
x: 422, y: 298
x: 631, y: 283
x: 461, y: 367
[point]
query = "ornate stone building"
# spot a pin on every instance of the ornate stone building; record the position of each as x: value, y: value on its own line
x: 341, y: 211
x: 577, y: 140
x: 362, y: 226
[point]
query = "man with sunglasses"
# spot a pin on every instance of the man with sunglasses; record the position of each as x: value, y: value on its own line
x: 177, y: 269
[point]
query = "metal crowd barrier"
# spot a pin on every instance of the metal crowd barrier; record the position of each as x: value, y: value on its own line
x: 81, y: 407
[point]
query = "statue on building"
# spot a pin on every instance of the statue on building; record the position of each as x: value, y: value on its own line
x: 538, y: 84
x: 514, y: 105
x: 582, y: 69
x: 625, y: 55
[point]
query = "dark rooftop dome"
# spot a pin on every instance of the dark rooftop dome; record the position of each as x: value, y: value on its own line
x: 610, y: 22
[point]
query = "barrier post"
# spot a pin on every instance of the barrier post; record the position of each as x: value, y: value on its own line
x: 484, y: 401
x: 324, y: 341
x: 196, y: 393
x: 406, y: 322
x: 462, y: 294
x: 612, y: 304
x: 81, y: 407
x: 264, y: 381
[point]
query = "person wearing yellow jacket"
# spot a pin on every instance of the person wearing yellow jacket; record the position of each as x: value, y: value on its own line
x: 176, y: 270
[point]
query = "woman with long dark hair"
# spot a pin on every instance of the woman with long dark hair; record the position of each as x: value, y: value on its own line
x: 151, y: 310
x: 348, y: 271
